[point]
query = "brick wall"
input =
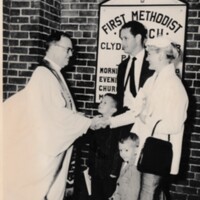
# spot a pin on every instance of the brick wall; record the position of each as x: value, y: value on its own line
x: 26, y: 23
x: 187, y: 185
x: 6, y: 34
x: 81, y: 19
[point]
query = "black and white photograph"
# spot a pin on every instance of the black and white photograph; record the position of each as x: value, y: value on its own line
x: 100, y: 100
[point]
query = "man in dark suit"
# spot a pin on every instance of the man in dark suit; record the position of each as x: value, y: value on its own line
x: 132, y: 74
x: 133, y: 35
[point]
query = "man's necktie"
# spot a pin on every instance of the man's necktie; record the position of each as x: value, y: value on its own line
x: 131, y: 78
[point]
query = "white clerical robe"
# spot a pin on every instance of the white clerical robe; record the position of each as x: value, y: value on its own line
x: 38, y: 129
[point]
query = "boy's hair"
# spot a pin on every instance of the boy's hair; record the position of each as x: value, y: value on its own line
x: 128, y: 135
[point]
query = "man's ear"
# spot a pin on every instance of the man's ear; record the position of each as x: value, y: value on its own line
x: 138, y: 38
x: 114, y: 110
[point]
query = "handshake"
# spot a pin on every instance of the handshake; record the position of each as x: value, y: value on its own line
x: 99, y: 122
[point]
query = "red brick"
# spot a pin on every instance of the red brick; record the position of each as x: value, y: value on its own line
x: 195, y: 52
x: 18, y: 50
x: 79, y: 6
x: 192, y: 67
x: 30, y: 12
x: 178, y: 196
x: 15, y: 27
x: 191, y: 44
x: 19, y: 20
x: 186, y: 190
x: 93, y: 21
x: 17, y: 80
x: 195, y: 168
x: 17, y: 65
x: 88, y: 13
x: 194, y: 152
x: 190, y: 75
x: 19, y: 35
x: 13, y: 57
x: 15, y: 12
x: 9, y: 87
x: 193, y: 29
x: 87, y: 34
x: 193, y: 197
x: 25, y: 73
x: 197, y: 37
x: 28, y: 58
x: 94, y: 6
x: 69, y: 13
x: 86, y: 77
x: 192, y: 13
x: 69, y: 27
x: 81, y: 62
x: 5, y: 26
x: 197, y: 91
x: 77, y: 20
x: 85, y: 70
x: 29, y: 43
x: 85, y: 97
x: 81, y: 49
x: 197, y: 83
x: 12, y: 73
x: 20, y: 4
x: 87, y: 41
x: 195, y: 6
x: 78, y: 34
x: 92, y: 63
x: 65, y: 6
x: 91, y: 48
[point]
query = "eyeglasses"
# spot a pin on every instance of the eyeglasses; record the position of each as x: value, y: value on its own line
x: 67, y: 49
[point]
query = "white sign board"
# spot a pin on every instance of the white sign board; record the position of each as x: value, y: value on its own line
x: 160, y: 18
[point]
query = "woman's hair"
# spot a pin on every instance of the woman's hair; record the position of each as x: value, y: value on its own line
x: 173, y: 51
x: 135, y: 28
x: 165, y: 44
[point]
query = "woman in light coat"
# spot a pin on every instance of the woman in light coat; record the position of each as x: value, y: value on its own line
x: 164, y: 98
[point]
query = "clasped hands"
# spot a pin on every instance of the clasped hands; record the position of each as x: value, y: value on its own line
x: 99, y: 122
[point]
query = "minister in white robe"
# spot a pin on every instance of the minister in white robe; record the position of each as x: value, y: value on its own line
x: 40, y: 124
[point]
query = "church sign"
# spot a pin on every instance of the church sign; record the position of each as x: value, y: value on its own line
x: 160, y: 17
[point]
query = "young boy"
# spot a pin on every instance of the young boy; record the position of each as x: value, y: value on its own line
x: 128, y: 183
x: 103, y: 147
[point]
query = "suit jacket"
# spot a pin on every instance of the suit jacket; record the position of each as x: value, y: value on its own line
x: 128, y: 183
x: 145, y: 74
x: 103, y: 147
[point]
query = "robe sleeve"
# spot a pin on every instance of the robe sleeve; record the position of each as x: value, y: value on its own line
x: 56, y: 126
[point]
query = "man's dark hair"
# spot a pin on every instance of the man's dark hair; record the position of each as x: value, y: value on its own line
x: 55, y: 37
x: 135, y: 28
